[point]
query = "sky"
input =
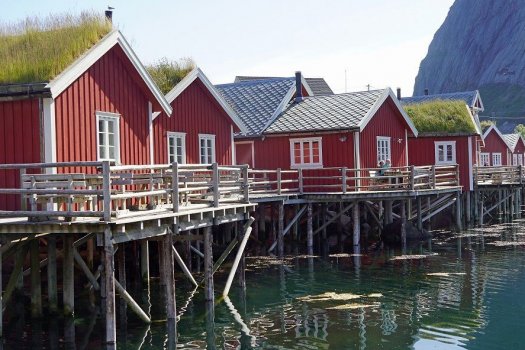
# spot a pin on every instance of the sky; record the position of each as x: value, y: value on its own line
x: 353, y: 44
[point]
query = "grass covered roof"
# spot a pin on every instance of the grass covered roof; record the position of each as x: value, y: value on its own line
x: 440, y: 116
x: 167, y: 73
x: 37, y: 50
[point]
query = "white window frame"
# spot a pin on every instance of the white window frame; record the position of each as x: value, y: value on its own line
x: 484, y: 155
x: 113, y: 118
x: 514, y: 159
x: 207, y: 137
x: 496, y: 155
x: 445, y: 144
x: 302, y: 141
x: 520, y: 159
x: 389, y: 148
x: 175, y: 136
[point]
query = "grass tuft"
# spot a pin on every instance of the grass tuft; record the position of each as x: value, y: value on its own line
x: 37, y: 50
x: 441, y: 116
x: 167, y: 74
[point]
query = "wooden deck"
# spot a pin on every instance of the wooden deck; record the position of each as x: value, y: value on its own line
x: 497, y: 176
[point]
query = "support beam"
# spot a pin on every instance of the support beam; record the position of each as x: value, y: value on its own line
x: 132, y: 303
x: 80, y: 262
x: 169, y: 274
x: 238, y: 257
x: 36, y: 284
x: 357, y: 224
x: 109, y: 285
x: 335, y: 217
x: 68, y: 277
x: 280, y: 231
x: 309, y: 229
x: 52, y: 294
x: 16, y: 274
x: 144, y: 260
x: 209, y: 293
x: 468, y: 208
x: 419, y: 213
x: 289, y: 226
x: 183, y: 266
x: 438, y: 210
x: 403, y: 226
x: 458, y: 211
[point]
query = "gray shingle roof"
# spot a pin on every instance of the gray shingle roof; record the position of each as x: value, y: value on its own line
x: 468, y: 96
x: 511, y: 140
x: 256, y: 101
x: 329, y: 112
x: 319, y: 86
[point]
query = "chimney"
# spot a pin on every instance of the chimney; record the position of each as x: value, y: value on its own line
x: 298, y: 86
x: 399, y: 94
x: 109, y: 14
x: 426, y: 92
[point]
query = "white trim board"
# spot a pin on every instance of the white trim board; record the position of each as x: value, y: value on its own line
x: 198, y: 74
x: 84, y: 62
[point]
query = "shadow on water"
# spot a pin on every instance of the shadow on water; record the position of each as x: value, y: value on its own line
x: 454, y: 292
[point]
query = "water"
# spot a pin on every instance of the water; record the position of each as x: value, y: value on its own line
x: 456, y: 292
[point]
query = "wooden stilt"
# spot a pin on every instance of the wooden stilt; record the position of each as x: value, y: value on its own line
x: 357, y: 224
x: 12, y: 284
x: 309, y: 229
x: 262, y: 221
x: 295, y: 232
x: 183, y: 266
x: 468, y: 209
x: 188, y: 254
x: 36, y: 284
x: 241, y: 270
x: 280, y: 232
x: 419, y: 213
x: 169, y: 274
x: 121, y: 265
x: 481, y: 213
x: 459, y: 225
x: 52, y: 295
x: 144, y: 260
x: 209, y: 293
x: 109, y: 284
x: 388, y: 212
x: 161, y: 262
x: 68, y: 281
x: 403, y: 226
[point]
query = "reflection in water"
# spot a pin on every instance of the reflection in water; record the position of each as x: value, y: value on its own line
x: 458, y: 298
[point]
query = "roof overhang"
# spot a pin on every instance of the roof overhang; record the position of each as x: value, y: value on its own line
x: 197, y: 73
x: 386, y: 94
x: 77, y: 68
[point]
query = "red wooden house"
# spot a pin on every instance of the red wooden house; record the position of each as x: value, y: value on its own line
x: 496, y: 151
x: 517, y: 147
x: 439, y: 146
x: 353, y: 130
x: 99, y: 108
x: 201, y: 127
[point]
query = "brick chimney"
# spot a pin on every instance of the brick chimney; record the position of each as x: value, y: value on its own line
x: 399, y: 94
x: 109, y: 14
x: 298, y: 87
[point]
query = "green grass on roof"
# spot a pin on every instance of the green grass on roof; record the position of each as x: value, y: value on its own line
x: 37, y: 50
x: 167, y: 74
x: 441, y: 116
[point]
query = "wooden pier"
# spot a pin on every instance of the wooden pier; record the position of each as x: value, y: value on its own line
x: 86, y: 215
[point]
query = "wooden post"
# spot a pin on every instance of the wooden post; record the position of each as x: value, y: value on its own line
x: 121, y: 267
x: 300, y: 170
x: 357, y: 224
x: 169, y: 273
x: 208, y: 265
x: 144, y: 260
x: 109, y: 285
x: 52, y: 295
x: 106, y: 188
x: 215, y: 184
x: 309, y: 229
x: 241, y: 269
x: 481, y: 213
x: 468, y: 208
x: 403, y: 226
x: 279, y: 179
x: 175, y: 186
x: 343, y: 178
x: 419, y: 213
x: 36, y: 285
x: 295, y: 232
x: 280, y: 232
x: 388, y: 212
x: 458, y: 211
x: 246, y: 184
x: 68, y: 275
x: 160, y: 249
x: 262, y: 220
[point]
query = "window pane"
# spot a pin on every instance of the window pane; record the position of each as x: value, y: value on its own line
x: 306, y: 152
x: 179, y: 141
x: 101, y: 126
x: 101, y: 140
x: 449, y: 153
x: 111, y: 150
x: 110, y: 126
x: 101, y: 152
x: 111, y: 139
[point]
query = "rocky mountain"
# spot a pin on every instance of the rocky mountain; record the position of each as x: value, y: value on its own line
x: 481, y: 45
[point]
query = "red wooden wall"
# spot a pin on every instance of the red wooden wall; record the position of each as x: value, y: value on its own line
x: 495, y: 144
x: 195, y: 111
x: 520, y: 147
x: 20, y: 142
x: 386, y: 122
x: 243, y: 153
x: 110, y: 85
x: 422, y: 152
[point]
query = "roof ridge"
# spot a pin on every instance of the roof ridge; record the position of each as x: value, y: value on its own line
x: 254, y: 81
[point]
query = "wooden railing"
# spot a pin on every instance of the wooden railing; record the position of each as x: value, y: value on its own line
x: 498, y: 175
x: 344, y: 180
x: 99, y: 190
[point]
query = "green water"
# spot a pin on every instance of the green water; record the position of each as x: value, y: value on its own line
x: 462, y: 292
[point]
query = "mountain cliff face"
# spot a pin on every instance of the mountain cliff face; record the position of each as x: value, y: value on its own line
x: 481, y: 45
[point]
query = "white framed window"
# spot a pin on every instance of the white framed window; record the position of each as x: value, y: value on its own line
x: 383, y: 148
x: 520, y: 159
x: 484, y: 159
x: 514, y: 159
x: 496, y: 159
x: 306, y: 152
x: 445, y: 152
x: 207, y: 148
x: 108, y: 136
x: 176, y: 147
